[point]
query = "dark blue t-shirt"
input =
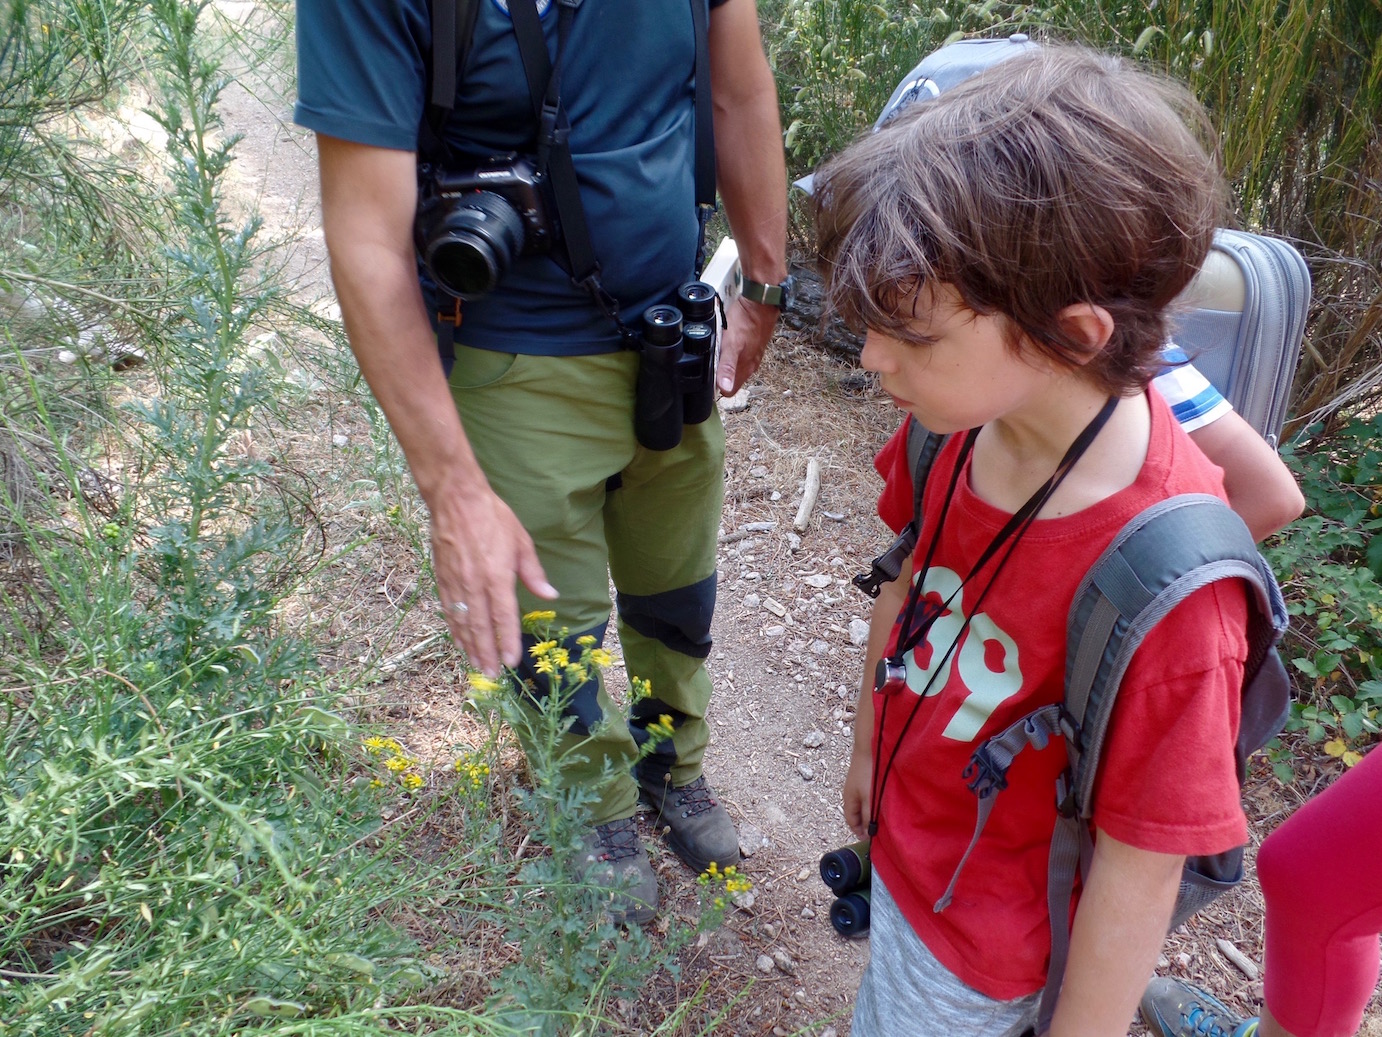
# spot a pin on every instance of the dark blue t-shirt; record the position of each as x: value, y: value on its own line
x: 628, y: 91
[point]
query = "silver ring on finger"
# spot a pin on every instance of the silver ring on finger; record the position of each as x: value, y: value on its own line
x: 458, y: 607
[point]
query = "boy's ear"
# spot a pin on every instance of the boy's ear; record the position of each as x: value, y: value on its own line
x: 1088, y: 324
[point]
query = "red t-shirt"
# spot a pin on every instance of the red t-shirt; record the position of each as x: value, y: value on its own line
x: 1167, y: 781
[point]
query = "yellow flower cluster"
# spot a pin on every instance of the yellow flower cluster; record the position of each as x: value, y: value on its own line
x: 376, y: 745
x: 479, y: 682
x: 396, y: 762
x: 640, y: 688
x: 726, y: 882
x: 661, y: 728
x: 473, y: 771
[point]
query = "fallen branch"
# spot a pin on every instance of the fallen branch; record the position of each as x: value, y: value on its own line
x: 809, y: 493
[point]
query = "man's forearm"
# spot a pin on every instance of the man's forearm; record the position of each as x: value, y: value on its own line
x: 751, y: 170
x: 396, y: 349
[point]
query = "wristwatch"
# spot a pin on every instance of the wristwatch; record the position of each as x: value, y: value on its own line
x: 779, y: 295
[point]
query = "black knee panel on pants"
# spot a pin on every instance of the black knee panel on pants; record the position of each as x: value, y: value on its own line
x: 679, y: 619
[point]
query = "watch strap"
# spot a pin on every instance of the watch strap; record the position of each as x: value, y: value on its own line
x: 778, y: 295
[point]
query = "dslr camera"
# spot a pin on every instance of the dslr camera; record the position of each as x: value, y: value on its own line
x: 472, y: 223
x: 849, y: 874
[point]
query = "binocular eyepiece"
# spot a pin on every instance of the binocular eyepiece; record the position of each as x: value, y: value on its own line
x: 676, y: 368
x: 849, y: 874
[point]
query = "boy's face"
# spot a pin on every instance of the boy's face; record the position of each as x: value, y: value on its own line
x: 961, y: 372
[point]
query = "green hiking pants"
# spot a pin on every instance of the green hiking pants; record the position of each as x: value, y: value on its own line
x: 555, y: 438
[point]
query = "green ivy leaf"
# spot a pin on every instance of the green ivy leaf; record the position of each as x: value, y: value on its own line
x: 1374, y: 557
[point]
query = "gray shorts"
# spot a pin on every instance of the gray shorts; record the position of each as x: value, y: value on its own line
x: 906, y: 992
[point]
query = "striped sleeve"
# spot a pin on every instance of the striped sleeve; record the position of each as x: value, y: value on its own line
x: 1194, y: 401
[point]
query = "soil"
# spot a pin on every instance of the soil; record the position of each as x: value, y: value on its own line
x: 786, y: 665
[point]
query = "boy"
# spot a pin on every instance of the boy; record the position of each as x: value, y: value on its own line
x: 1011, y: 247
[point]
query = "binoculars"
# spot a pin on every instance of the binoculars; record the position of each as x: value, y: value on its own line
x: 676, y: 367
x: 848, y: 873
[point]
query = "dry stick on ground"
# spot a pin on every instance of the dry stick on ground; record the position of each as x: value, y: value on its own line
x: 809, y: 493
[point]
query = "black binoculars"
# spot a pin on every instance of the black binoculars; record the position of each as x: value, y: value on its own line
x: 676, y: 367
x: 848, y: 873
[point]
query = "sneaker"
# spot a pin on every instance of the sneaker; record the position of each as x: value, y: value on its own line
x: 699, y: 830
x: 616, y: 858
x: 1171, y: 1008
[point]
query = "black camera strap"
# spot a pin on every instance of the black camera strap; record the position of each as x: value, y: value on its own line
x: 910, y: 635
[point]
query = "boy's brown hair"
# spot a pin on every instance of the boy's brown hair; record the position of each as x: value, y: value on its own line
x: 1056, y: 177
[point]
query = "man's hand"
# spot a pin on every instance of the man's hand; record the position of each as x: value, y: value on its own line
x: 478, y: 545
x: 745, y: 341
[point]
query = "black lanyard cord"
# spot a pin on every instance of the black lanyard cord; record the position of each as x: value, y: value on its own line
x: 1010, y: 534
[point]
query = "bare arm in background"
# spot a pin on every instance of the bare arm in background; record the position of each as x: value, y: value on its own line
x: 478, y: 545
x: 752, y: 178
x: 1260, y: 487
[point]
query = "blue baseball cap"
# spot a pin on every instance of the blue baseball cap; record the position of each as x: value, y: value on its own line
x: 939, y: 71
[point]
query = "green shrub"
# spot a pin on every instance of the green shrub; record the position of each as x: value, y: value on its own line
x: 1330, y: 566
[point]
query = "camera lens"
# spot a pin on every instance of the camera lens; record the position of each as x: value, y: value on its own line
x: 471, y: 246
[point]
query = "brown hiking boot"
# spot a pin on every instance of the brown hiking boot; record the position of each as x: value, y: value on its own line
x: 699, y: 830
x: 617, y: 859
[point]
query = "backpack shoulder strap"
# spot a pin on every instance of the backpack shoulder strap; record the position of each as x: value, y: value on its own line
x: 453, y: 29
x: 922, y: 447
x: 1160, y: 558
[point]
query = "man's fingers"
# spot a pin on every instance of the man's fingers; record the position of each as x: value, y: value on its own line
x: 530, y: 571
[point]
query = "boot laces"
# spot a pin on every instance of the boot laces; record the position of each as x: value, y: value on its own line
x: 619, y: 839
x: 695, y: 798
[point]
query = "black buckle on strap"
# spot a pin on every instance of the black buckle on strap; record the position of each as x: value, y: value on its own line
x: 983, y: 776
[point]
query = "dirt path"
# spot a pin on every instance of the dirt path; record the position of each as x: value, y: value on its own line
x: 787, y: 660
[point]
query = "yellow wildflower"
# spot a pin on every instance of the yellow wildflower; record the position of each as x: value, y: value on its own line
x: 640, y: 688
x: 560, y: 656
x: 542, y: 649
x: 600, y: 657
x: 374, y: 744
x: 398, y: 763
x: 585, y: 640
x: 543, y: 666
x: 411, y: 780
x: 533, y: 619
x: 577, y: 674
x: 480, y: 682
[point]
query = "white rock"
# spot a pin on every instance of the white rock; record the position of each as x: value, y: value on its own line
x: 813, y: 739
x: 733, y: 404
x: 806, y: 772
x: 858, y: 632
x: 743, y: 901
x: 819, y: 647
x: 784, y: 961
x: 758, y: 471
x: 340, y: 440
x: 806, y: 912
x: 751, y: 840
x: 774, y: 630
x: 775, y: 607
x: 751, y: 601
x: 764, y: 963
x: 820, y: 581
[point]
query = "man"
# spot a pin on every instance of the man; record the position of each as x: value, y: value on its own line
x: 526, y: 455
